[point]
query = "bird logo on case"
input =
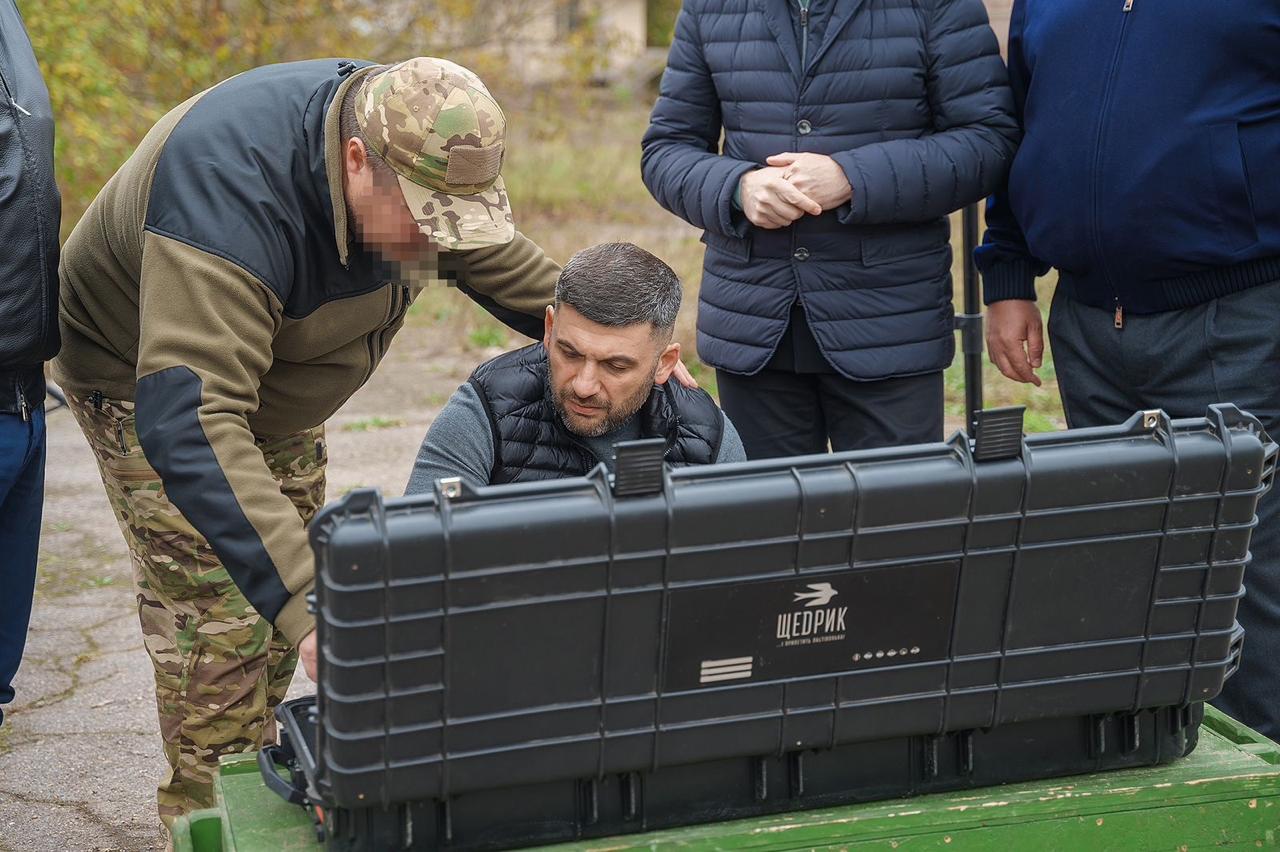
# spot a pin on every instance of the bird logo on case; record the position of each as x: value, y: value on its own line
x: 820, y: 594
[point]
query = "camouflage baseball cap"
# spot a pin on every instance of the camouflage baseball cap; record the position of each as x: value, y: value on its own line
x: 436, y: 125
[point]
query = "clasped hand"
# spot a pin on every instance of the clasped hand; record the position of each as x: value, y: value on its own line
x: 791, y: 186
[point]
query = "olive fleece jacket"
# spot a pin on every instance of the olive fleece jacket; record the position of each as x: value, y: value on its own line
x: 214, y: 283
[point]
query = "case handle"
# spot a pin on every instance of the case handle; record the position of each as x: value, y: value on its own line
x: 269, y: 758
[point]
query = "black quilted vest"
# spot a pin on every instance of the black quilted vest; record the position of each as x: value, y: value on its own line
x: 530, y: 442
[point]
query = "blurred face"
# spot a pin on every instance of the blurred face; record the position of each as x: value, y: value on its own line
x: 601, y: 375
x: 376, y: 209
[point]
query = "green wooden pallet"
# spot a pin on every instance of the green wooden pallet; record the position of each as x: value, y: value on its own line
x: 1226, y: 794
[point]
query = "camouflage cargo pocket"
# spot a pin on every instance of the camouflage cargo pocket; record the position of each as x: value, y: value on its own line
x: 157, y: 534
x: 297, y: 462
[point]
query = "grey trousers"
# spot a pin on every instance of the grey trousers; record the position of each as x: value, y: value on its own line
x: 1226, y: 350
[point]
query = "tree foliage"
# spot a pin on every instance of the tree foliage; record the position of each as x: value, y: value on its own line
x: 661, y: 18
x: 113, y: 67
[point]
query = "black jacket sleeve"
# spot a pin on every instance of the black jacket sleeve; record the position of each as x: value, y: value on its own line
x: 30, y: 207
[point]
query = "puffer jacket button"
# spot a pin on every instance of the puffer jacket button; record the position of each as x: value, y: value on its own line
x: 801, y: 254
x: 803, y: 127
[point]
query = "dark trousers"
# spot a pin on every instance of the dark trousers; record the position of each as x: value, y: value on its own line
x: 781, y: 413
x: 1227, y: 350
x: 22, y: 445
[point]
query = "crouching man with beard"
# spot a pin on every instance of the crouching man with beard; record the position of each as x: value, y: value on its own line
x: 599, y: 376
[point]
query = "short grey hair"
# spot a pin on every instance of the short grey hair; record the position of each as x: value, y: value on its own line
x: 349, y: 126
x: 620, y: 284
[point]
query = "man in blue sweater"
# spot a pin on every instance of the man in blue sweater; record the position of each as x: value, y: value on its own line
x: 1146, y: 177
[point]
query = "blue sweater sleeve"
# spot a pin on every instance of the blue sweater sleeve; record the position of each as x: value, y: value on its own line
x: 1008, y: 268
x: 459, y: 443
x: 680, y: 161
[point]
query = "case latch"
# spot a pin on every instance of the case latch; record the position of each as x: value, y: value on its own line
x: 638, y: 467
x: 998, y: 433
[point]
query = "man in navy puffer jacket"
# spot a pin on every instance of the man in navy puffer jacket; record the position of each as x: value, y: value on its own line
x: 1147, y: 177
x: 851, y: 129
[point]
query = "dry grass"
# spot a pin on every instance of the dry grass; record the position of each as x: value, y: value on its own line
x: 573, y: 174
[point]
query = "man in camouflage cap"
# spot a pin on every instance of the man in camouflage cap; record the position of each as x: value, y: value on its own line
x: 436, y: 125
x: 234, y: 283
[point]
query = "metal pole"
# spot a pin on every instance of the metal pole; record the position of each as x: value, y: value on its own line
x: 970, y: 322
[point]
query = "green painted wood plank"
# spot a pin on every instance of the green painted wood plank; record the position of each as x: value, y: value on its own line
x: 1226, y: 793
x: 1237, y: 819
x: 1231, y: 767
x: 256, y: 819
x: 1084, y: 798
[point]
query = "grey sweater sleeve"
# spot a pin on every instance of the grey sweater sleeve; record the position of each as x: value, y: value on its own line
x: 459, y: 443
x: 731, y: 449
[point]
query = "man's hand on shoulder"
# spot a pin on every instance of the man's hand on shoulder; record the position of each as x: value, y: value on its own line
x: 682, y: 375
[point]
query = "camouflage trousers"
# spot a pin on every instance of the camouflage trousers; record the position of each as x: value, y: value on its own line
x: 220, y: 668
